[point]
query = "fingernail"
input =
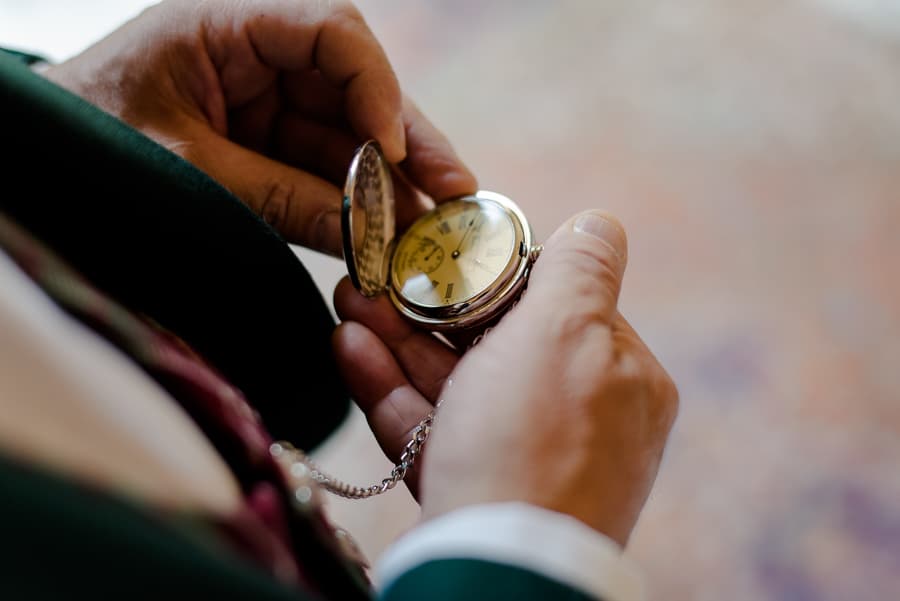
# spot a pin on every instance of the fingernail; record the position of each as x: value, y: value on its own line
x: 597, y: 225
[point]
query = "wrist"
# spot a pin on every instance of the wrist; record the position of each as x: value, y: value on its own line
x: 608, y: 505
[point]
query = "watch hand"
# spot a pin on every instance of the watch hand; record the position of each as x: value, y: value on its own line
x: 455, y: 253
x: 431, y: 254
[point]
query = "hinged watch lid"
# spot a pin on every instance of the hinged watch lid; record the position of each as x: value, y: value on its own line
x: 367, y: 219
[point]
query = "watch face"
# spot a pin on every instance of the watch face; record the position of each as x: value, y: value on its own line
x: 453, y: 253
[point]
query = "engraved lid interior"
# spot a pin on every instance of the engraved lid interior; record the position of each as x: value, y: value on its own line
x: 367, y: 219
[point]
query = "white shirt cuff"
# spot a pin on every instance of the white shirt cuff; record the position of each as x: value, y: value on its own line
x: 545, y: 542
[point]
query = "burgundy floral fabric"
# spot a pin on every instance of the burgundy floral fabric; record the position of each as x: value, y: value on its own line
x: 295, y: 544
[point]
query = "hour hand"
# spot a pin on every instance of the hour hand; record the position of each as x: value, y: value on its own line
x: 471, y: 226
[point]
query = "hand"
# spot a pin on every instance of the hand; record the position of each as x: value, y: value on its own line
x: 561, y: 405
x: 270, y: 98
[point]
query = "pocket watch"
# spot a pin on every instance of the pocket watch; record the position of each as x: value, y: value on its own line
x: 458, y: 267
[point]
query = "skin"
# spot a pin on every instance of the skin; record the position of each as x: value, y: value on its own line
x: 270, y: 98
x: 561, y: 405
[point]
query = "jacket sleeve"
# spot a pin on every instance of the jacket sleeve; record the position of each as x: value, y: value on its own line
x: 167, y: 241
x: 71, y: 540
x: 467, y: 579
x: 26, y: 58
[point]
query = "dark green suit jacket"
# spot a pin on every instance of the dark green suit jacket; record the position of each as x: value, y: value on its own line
x: 166, y: 241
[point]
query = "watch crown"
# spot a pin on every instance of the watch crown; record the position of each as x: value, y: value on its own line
x: 536, y: 252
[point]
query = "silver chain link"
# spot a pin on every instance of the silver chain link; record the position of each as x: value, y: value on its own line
x: 282, y: 450
x: 300, y: 462
x: 411, y: 452
x: 408, y: 457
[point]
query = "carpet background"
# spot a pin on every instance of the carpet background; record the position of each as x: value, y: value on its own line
x: 752, y: 150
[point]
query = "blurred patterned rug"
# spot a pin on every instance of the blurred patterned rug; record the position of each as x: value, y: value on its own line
x: 752, y: 149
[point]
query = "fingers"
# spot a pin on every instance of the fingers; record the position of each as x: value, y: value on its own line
x: 328, y: 152
x: 392, y: 405
x: 251, y: 124
x: 410, y: 203
x: 250, y: 42
x: 334, y: 39
x: 323, y: 150
x: 329, y: 68
x: 310, y: 144
x: 311, y: 96
x: 581, y: 268
x: 304, y: 208
x: 431, y: 166
x: 431, y: 163
x: 423, y: 358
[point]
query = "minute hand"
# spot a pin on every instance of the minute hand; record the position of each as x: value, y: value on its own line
x: 455, y: 253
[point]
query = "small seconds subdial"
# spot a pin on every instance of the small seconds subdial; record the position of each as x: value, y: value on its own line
x: 427, y: 256
x: 453, y: 253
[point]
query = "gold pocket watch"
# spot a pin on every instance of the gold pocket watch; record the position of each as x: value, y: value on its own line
x: 457, y: 268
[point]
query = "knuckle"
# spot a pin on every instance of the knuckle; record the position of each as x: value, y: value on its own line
x: 667, y: 395
x: 318, y: 231
x: 570, y: 322
x: 597, y: 272
x: 643, y: 379
x: 663, y: 398
x: 631, y: 370
x: 276, y: 204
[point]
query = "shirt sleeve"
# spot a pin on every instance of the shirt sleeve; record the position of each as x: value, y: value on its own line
x: 536, y: 540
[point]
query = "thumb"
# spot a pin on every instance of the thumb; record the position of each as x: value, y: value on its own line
x: 581, y: 267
